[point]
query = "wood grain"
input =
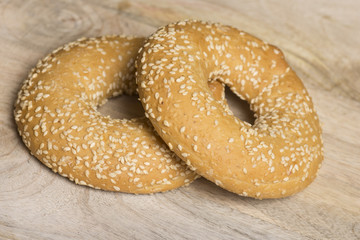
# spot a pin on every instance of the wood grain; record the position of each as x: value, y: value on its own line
x: 321, y: 41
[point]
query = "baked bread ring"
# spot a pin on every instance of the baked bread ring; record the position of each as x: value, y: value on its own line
x: 58, y: 121
x: 275, y: 157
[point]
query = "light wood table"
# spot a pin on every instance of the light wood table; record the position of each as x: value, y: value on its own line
x: 321, y: 41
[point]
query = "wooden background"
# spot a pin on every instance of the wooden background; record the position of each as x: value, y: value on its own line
x: 321, y: 41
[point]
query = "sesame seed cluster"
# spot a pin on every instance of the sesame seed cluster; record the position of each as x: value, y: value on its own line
x: 57, y: 118
x: 279, y: 155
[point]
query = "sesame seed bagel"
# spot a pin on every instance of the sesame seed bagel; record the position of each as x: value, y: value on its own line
x: 57, y: 119
x: 275, y: 157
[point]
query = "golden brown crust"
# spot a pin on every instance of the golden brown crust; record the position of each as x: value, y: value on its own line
x: 277, y: 156
x: 57, y: 119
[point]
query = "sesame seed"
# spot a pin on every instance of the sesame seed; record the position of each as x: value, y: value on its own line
x: 182, y: 129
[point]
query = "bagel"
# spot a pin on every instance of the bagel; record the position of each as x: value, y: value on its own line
x: 57, y: 119
x: 275, y: 157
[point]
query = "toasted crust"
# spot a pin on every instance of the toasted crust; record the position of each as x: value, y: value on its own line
x: 277, y: 156
x: 58, y: 121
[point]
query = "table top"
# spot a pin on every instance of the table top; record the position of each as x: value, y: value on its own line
x: 320, y: 40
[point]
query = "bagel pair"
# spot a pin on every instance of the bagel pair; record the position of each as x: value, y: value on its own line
x: 181, y: 72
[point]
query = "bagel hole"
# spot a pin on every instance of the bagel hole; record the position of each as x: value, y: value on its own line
x: 239, y: 107
x: 123, y: 106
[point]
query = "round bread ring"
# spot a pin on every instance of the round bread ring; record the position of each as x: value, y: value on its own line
x: 275, y: 157
x: 58, y: 121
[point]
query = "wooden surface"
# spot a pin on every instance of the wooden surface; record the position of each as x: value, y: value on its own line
x: 321, y: 41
